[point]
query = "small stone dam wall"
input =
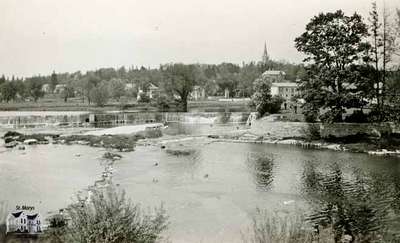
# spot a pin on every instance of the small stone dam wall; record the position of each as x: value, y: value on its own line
x: 112, y: 119
x: 281, y: 130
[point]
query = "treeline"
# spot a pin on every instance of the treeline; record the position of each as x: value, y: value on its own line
x: 352, y: 64
x: 100, y: 85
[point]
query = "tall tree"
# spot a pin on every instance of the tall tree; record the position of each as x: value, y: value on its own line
x: 2, y: 79
x: 375, y: 27
x: 8, y: 91
x: 68, y: 91
x: 34, y: 88
x: 180, y: 80
x: 53, y: 81
x: 117, y: 88
x: 100, y: 94
x: 334, y: 45
x: 388, y: 48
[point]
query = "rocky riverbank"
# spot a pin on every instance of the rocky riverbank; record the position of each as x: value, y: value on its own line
x: 384, y: 146
x: 120, y: 142
x: 181, y: 145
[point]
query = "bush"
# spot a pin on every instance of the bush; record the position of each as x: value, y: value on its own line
x: 310, y: 113
x: 163, y: 103
x: 357, y: 116
x: 109, y: 217
x: 270, y: 227
x: 269, y: 105
x: 312, y: 132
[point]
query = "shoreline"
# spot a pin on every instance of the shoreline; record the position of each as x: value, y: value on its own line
x: 144, y: 137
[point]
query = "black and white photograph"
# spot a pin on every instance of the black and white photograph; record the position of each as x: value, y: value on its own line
x: 199, y: 121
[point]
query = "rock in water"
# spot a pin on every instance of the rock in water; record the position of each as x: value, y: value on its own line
x: 11, y: 144
x: 30, y: 141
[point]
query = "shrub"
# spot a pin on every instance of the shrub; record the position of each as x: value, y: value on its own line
x: 109, y: 217
x: 357, y: 116
x: 312, y: 132
x: 164, y: 103
x: 271, y: 227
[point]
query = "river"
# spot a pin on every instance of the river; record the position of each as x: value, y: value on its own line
x: 210, y: 195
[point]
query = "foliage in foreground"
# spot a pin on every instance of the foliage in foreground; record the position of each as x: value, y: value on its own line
x: 268, y: 227
x: 108, y: 217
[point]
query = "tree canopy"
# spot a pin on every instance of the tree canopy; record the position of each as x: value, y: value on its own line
x: 335, y: 46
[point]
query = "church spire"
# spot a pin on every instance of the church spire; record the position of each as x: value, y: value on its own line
x: 265, y: 56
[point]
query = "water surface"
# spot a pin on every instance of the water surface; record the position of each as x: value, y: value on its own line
x: 212, y: 208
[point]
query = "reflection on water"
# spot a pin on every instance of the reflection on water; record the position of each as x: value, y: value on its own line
x: 354, y: 202
x: 211, y: 194
x: 261, y: 165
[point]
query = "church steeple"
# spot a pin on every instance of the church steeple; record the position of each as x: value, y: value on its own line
x: 265, y: 56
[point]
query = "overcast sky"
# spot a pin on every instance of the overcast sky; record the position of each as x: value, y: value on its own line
x: 39, y: 36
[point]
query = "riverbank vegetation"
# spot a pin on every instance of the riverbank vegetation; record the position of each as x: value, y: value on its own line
x: 342, y: 207
x: 107, y: 216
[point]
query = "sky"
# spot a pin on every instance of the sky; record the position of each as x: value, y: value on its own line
x: 42, y: 36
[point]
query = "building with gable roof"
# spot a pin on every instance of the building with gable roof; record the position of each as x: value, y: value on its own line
x: 21, y: 222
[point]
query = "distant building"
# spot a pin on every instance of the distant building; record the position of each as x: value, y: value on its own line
x: 287, y: 90
x: 46, y: 88
x: 226, y: 93
x: 59, y: 88
x: 279, y: 76
x: 129, y: 86
x: 20, y: 222
x: 198, y: 93
x: 152, y: 92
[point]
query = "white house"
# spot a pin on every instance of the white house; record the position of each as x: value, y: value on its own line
x: 129, y: 86
x: 287, y: 90
x: 59, y: 88
x: 198, y: 93
x: 152, y: 91
x: 20, y: 222
x: 17, y: 222
x: 46, y: 88
x: 34, y: 223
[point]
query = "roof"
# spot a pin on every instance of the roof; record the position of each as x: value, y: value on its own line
x: 286, y: 84
x: 152, y: 86
x: 274, y: 72
x: 17, y: 214
x: 32, y: 216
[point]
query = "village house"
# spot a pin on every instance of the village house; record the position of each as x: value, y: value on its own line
x: 20, y: 222
x: 59, y: 88
x: 129, y: 86
x: 198, y: 93
x: 287, y: 90
x: 152, y: 92
x: 46, y: 88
